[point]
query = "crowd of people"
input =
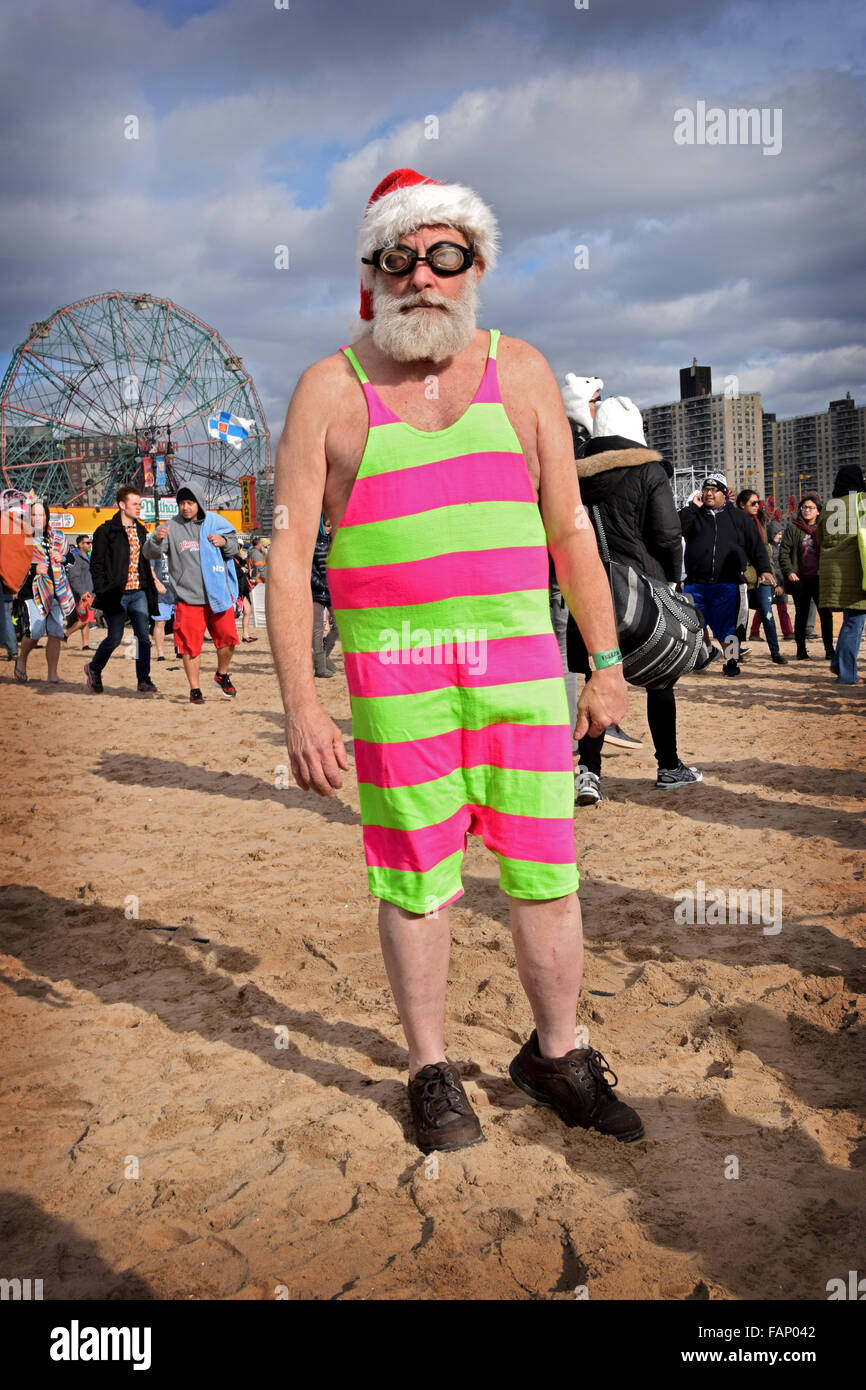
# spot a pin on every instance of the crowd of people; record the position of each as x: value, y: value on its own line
x: 731, y: 555
x: 188, y: 576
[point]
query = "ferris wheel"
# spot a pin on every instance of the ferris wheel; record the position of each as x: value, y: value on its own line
x: 110, y: 386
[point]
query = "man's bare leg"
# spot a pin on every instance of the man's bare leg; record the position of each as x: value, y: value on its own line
x: 548, y: 944
x: 191, y: 666
x: 224, y: 659
x: 416, y: 950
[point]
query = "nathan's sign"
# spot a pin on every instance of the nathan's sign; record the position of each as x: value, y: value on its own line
x: 249, y: 515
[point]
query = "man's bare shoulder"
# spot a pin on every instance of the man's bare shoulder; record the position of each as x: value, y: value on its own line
x: 522, y: 364
x: 322, y: 378
x: 516, y: 355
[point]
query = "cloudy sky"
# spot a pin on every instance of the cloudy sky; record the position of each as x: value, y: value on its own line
x: 261, y: 127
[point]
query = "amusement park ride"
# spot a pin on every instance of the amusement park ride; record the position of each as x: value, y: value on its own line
x: 128, y: 388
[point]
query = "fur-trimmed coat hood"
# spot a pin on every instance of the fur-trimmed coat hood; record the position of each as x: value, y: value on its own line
x: 628, y: 483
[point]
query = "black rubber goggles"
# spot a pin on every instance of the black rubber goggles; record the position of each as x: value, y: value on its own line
x: 443, y: 258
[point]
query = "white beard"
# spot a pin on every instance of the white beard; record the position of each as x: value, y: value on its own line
x: 408, y: 336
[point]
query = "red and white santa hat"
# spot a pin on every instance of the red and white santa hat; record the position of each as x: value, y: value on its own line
x: 405, y: 201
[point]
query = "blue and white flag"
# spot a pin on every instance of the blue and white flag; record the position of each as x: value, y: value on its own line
x: 232, y: 428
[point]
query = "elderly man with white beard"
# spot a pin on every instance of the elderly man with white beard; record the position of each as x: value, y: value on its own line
x: 443, y: 457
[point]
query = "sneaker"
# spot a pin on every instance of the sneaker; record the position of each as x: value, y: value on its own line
x: 731, y: 668
x: 576, y: 1087
x: 778, y: 659
x: 614, y: 734
x: 679, y: 776
x: 196, y: 697
x: 147, y: 687
x: 225, y: 684
x: 810, y: 632
x: 744, y: 651
x: 441, y: 1113
x: 803, y: 656
x: 588, y: 787
x: 94, y: 680
x: 709, y: 655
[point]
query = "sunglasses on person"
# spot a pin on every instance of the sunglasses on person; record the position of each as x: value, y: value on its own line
x: 443, y: 258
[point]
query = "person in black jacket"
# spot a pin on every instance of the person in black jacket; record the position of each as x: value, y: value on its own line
x: 629, y: 485
x: 720, y: 542
x: 322, y: 645
x: 123, y: 588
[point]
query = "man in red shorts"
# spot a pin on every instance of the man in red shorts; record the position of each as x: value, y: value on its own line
x: 200, y: 545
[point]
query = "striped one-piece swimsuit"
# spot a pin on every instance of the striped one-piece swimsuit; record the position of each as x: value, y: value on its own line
x: 439, y: 580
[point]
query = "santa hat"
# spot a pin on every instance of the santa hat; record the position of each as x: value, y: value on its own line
x: 405, y: 201
x: 617, y: 415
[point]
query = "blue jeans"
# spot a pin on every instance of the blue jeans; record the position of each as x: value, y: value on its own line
x: 717, y: 605
x: 764, y: 605
x: 844, y: 663
x: 8, y: 638
x: 133, y: 606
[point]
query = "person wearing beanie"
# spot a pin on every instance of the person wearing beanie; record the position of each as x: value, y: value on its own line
x: 628, y: 486
x: 442, y: 455
x: 841, y: 577
x: 200, y: 546
x: 720, y: 540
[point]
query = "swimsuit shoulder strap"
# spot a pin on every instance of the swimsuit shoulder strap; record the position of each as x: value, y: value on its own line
x: 362, y: 375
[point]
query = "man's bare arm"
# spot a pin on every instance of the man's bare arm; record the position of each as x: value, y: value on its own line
x: 572, y: 544
x: 314, y: 742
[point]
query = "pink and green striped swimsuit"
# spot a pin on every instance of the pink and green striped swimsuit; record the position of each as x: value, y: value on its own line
x: 439, y: 580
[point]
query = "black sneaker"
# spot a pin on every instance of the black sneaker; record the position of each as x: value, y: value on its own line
x: 731, y: 668
x: 779, y: 660
x: 225, y: 684
x: 94, y: 680
x: 441, y: 1113
x: 679, y: 776
x: 576, y: 1087
x: 196, y: 697
x: 147, y: 687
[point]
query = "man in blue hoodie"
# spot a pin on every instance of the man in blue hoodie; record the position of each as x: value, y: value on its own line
x: 200, y: 544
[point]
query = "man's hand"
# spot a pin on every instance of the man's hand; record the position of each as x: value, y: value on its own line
x: 160, y: 588
x: 41, y: 567
x: 794, y: 578
x: 161, y: 532
x: 697, y: 499
x: 604, y: 702
x: 217, y: 539
x: 316, y: 750
x: 768, y: 578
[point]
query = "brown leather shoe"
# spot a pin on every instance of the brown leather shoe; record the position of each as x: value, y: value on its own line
x: 441, y: 1112
x: 576, y: 1087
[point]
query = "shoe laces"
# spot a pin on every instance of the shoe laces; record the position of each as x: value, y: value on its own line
x: 597, y: 1064
x: 440, y: 1094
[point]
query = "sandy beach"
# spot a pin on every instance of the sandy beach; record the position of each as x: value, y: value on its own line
x: 204, y: 1085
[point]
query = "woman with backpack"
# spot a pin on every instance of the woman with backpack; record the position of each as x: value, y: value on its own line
x: 629, y: 485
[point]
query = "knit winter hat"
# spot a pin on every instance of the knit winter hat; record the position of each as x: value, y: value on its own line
x: 718, y: 480
x: 405, y: 201
x: 618, y: 415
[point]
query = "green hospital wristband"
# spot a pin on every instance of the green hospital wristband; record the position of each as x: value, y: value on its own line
x: 602, y: 659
